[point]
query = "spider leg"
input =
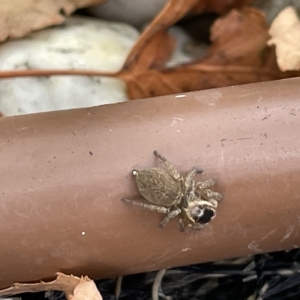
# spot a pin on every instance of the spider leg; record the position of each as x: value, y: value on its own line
x: 209, y: 194
x: 181, y: 224
x: 213, y: 202
x: 159, y: 209
x: 172, y: 214
x: 189, y: 183
x: 203, y: 185
x: 170, y: 168
x: 198, y: 226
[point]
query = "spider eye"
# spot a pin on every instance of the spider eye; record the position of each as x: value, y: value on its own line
x: 203, y: 216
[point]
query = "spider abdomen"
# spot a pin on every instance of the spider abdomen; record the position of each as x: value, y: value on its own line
x: 157, y: 186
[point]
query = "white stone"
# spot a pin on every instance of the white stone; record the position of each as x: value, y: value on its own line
x: 80, y: 43
x: 135, y: 12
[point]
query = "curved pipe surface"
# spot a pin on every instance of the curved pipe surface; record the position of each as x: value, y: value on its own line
x: 63, y: 174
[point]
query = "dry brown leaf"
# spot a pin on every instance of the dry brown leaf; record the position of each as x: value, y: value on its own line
x: 238, y: 55
x: 191, y: 78
x: 20, y: 17
x: 219, y: 6
x: 173, y: 11
x: 75, y: 288
x: 157, y: 52
x: 240, y: 39
x: 285, y: 35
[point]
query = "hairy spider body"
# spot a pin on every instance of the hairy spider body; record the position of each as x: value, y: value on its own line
x: 173, y: 195
x: 157, y: 186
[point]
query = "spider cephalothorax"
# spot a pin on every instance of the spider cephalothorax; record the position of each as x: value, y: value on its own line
x: 170, y: 193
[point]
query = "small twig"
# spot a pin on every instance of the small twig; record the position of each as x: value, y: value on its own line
x: 53, y: 72
x: 156, y: 288
x: 118, y: 287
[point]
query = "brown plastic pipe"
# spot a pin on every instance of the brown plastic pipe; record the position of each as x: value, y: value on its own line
x: 63, y: 175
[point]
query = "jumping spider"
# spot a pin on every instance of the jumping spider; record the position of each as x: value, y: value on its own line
x: 194, y: 203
